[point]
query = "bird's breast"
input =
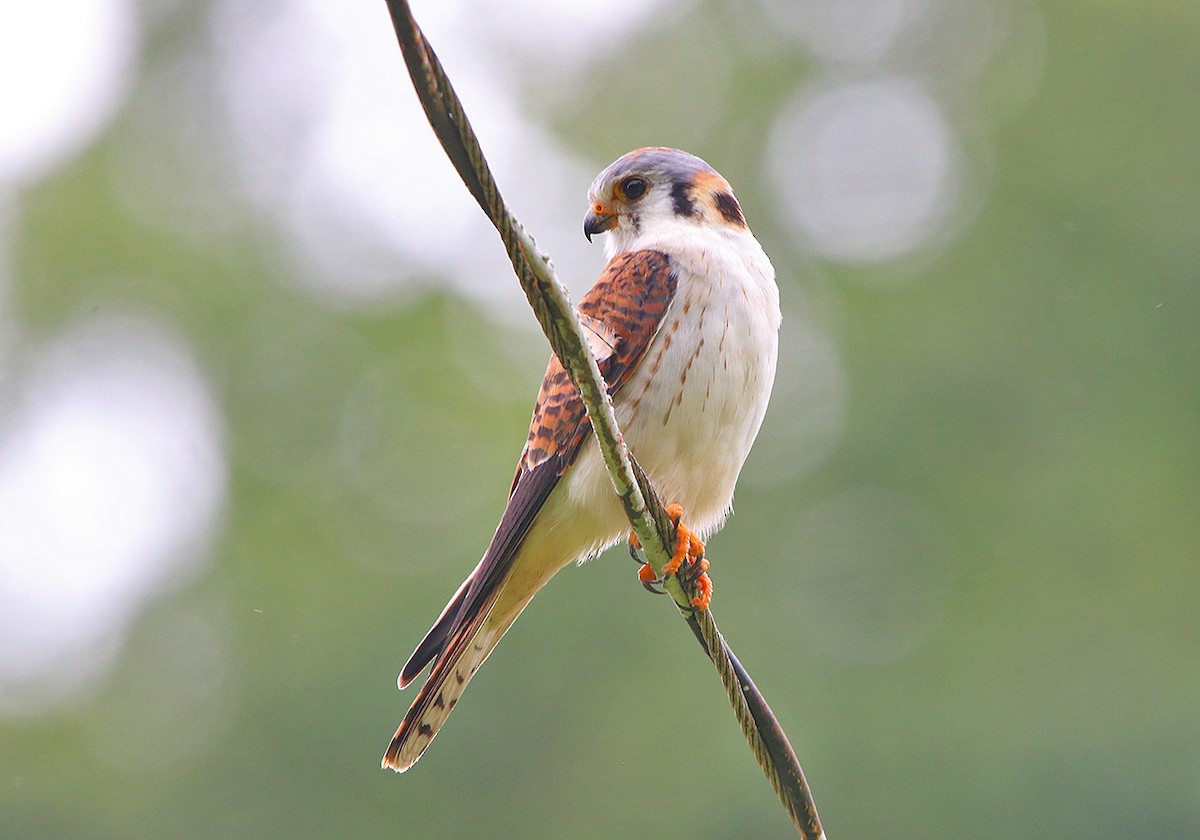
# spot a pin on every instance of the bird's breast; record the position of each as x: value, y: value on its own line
x: 694, y: 406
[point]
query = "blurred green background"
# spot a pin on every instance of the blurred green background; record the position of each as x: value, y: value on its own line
x: 264, y: 378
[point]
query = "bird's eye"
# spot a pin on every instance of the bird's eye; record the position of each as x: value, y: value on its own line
x: 634, y: 188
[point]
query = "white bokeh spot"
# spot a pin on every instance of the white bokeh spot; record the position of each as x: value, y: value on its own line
x: 866, y: 171
x: 335, y: 142
x: 64, y: 70
x: 112, y: 477
x: 850, y: 32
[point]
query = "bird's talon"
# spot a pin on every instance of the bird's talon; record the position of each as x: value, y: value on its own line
x: 646, y: 574
x: 635, y: 545
x: 691, y: 573
x: 649, y: 580
x: 650, y: 587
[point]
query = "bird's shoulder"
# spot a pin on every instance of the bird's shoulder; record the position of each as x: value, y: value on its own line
x: 621, y: 314
x: 629, y: 298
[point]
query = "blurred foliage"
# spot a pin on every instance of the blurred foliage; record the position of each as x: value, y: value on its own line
x: 1030, y: 666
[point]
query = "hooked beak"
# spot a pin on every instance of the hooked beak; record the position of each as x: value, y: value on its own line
x: 598, y: 220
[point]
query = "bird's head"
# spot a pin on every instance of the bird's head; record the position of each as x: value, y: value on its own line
x: 651, y: 187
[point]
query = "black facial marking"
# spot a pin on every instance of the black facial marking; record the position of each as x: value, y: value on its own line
x: 682, y: 201
x: 730, y: 209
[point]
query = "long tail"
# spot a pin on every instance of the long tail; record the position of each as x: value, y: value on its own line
x: 454, y: 665
x: 516, y: 565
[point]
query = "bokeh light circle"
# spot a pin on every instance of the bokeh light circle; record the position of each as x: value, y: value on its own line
x: 112, y: 477
x: 865, y: 171
x: 64, y: 70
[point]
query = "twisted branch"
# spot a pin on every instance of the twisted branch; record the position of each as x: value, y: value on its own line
x: 550, y: 303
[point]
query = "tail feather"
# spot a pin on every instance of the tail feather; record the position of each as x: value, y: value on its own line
x: 435, y: 640
x: 453, y: 668
x: 481, y: 611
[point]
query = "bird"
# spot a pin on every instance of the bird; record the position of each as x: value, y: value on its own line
x: 684, y: 322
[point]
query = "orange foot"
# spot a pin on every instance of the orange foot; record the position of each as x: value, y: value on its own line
x: 687, y: 563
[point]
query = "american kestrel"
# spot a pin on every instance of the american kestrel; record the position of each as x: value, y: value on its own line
x: 684, y: 324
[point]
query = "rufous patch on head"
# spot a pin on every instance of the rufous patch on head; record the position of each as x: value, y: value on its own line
x: 710, y: 182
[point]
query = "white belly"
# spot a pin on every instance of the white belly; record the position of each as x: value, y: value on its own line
x: 694, y: 405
